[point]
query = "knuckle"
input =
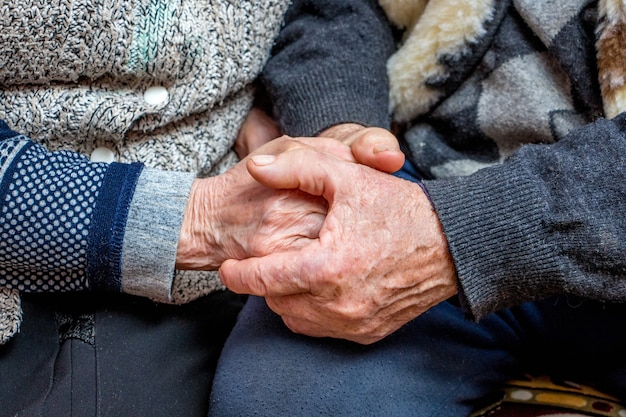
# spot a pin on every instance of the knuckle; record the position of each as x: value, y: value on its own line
x: 354, y: 313
x: 258, y: 285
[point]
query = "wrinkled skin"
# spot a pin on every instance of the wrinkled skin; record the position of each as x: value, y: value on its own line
x: 381, y: 258
x: 232, y: 216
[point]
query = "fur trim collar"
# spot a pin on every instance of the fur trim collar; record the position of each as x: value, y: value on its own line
x: 434, y: 29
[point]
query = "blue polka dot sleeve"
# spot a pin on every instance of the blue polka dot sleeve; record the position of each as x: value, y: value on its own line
x: 62, y: 218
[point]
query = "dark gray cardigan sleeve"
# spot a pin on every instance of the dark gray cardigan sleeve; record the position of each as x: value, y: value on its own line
x: 328, y: 66
x: 551, y: 219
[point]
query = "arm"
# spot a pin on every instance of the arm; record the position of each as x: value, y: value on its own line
x: 70, y: 225
x: 549, y: 220
x: 327, y: 76
x: 328, y: 66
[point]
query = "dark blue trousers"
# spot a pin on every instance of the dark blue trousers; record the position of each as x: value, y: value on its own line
x: 440, y: 364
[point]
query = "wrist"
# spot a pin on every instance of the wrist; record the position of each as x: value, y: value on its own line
x: 198, y: 244
x: 435, y: 234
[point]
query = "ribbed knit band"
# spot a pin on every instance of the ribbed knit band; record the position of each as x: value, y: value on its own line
x: 104, y: 259
x: 500, y: 260
x: 315, y: 81
x: 154, y: 221
x: 320, y: 115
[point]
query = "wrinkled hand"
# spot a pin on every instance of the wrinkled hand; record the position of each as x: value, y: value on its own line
x: 231, y: 216
x: 381, y: 258
x: 257, y: 129
x: 372, y: 146
x: 234, y: 217
x: 375, y: 147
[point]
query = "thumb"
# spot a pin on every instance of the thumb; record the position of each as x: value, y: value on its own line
x: 273, y: 275
x: 377, y: 148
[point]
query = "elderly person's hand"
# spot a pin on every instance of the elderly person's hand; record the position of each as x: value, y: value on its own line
x: 375, y: 147
x: 372, y: 146
x: 257, y: 129
x: 231, y: 216
x: 381, y: 258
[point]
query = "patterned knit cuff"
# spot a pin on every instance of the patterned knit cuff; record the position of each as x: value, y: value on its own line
x: 104, y: 259
x: 62, y: 218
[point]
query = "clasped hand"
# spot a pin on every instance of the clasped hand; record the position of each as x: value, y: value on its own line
x: 232, y: 216
x: 317, y: 226
x: 378, y: 259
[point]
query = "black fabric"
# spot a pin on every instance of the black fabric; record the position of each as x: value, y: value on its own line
x: 27, y: 363
x: 146, y: 359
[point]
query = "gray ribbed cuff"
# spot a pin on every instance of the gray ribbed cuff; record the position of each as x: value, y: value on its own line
x: 493, y: 221
x: 303, y: 114
x: 152, y: 231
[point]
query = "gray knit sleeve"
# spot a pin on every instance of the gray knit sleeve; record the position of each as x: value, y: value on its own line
x: 328, y: 66
x: 551, y: 219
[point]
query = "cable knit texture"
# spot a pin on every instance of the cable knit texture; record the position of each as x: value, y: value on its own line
x: 73, y: 78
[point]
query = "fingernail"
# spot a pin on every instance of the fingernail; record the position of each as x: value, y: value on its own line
x: 381, y: 148
x: 262, y: 160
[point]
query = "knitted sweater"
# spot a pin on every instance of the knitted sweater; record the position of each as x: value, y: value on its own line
x: 165, y: 86
x: 512, y: 113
